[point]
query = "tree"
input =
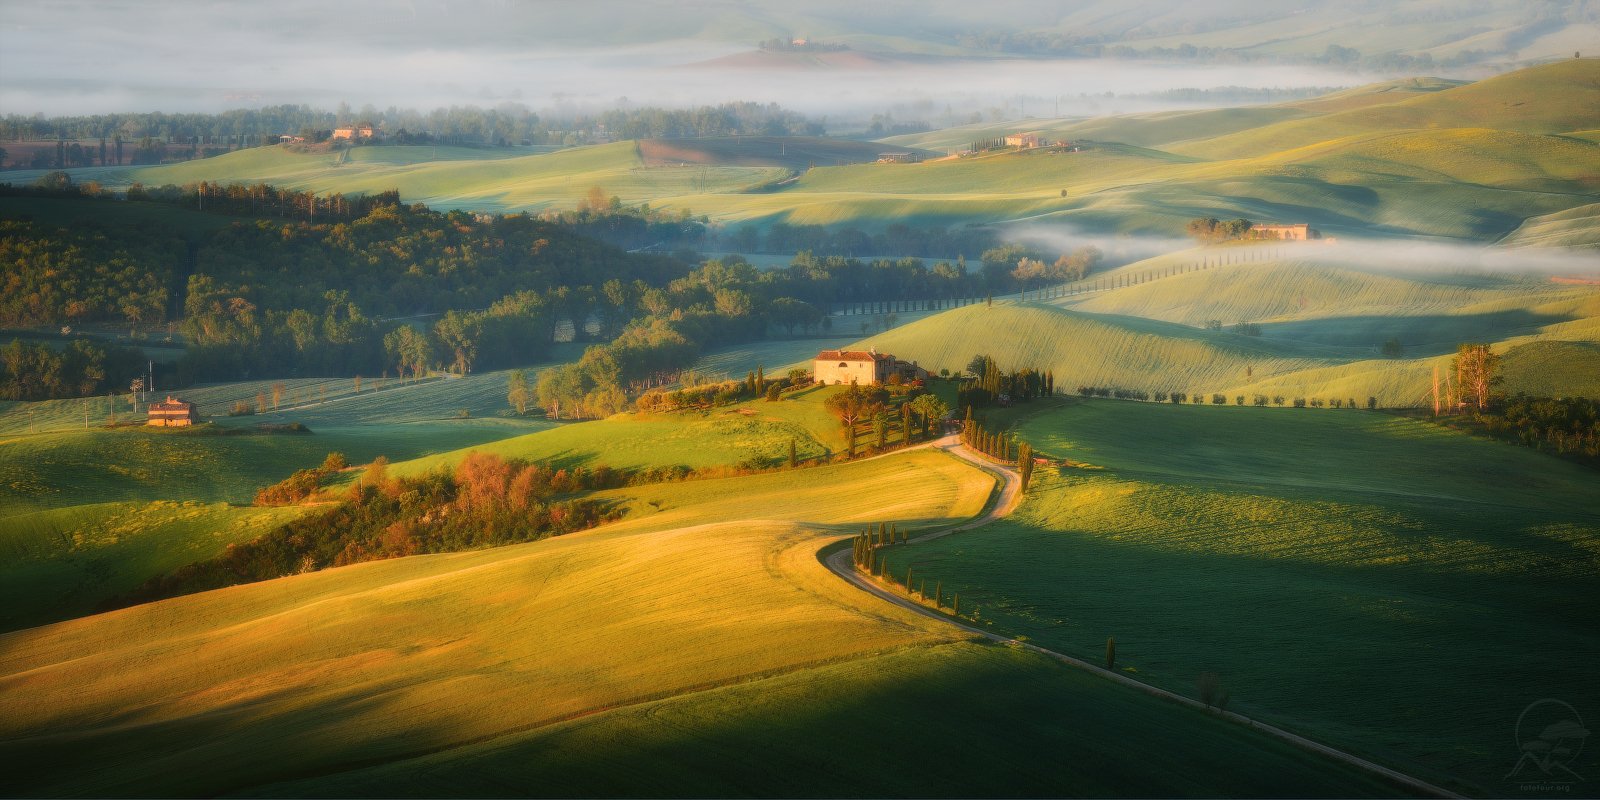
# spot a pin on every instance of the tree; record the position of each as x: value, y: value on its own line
x: 930, y: 408
x: 850, y: 406
x: 1476, y: 367
x: 793, y: 460
x: 518, y: 393
x: 409, y: 349
x: 1111, y: 652
x: 1025, y: 464
x: 1393, y: 349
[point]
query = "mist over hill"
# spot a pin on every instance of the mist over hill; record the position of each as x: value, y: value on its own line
x: 139, y: 56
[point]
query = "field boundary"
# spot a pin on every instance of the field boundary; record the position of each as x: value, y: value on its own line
x: 1007, y: 501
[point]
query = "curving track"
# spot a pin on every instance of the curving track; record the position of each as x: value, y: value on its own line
x: 1006, y: 502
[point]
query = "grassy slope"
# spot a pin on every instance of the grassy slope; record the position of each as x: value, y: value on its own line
x: 1323, y: 316
x: 1341, y: 571
x: 660, y: 659
x: 63, y: 563
x: 401, y: 657
x: 1517, y: 101
x: 1095, y: 350
x: 755, y: 430
x: 1576, y: 228
x: 459, y: 178
x: 1418, y: 157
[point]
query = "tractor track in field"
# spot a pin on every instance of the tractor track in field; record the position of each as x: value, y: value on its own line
x: 1004, y: 503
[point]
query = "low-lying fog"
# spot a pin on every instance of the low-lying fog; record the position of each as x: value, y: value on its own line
x: 79, y: 57
x: 1417, y: 257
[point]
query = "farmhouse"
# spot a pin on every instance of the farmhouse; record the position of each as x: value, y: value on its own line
x: 1023, y: 140
x: 898, y: 158
x: 172, y: 413
x: 1301, y: 232
x: 356, y: 132
x: 865, y: 367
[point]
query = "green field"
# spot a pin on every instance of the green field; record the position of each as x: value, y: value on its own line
x: 1475, y: 161
x: 1391, y: 587
x: 1323, y: 312
x: 647, y: 652
x: 64, y: 563
x: 756, y: 432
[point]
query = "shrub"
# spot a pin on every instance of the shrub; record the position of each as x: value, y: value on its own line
x: 1299, y: 402
x: 1219, y: 399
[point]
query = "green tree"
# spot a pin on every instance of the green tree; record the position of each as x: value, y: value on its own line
x: 518, y: 393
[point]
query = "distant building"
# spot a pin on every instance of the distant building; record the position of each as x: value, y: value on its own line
x: 1302, y: 232
x: 172, y: 413
x: 356, y: 132
x: 1023, y: 140
x: 898, y: 158
x: 865, y: 367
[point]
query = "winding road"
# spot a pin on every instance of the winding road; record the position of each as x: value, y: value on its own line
x: 1004, y: 503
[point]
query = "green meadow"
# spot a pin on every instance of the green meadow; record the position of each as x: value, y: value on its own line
x: 647, y: 657
x: 1381, y: 584
x: 1473, y: 161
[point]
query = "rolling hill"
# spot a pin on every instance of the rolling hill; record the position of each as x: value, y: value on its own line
x: 1425, y: 157
x: 493, y: 667
x: 1338, y: 571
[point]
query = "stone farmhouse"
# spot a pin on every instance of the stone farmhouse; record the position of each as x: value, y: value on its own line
x: 864, y: 367
x: 172, y: 413
x: 1301, y: 232
x: 355, y: 132
x: 1023, y: 140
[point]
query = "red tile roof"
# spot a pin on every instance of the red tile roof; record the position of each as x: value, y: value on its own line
x: 853, y: 355
x: 171, y: 405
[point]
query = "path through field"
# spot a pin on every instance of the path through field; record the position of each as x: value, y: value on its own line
x: 1004, y: 503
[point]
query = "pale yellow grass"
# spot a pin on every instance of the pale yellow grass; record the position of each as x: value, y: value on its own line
x: 405, y: 657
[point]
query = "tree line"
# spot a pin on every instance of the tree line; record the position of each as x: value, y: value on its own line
x: 468, y: 125
x: 486, y: 501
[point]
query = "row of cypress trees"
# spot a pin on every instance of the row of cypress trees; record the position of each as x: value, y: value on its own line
x: 867, y: 560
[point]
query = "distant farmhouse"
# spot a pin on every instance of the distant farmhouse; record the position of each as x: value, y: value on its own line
x: 1302, y: 232
x: 865, y: 367
x: 898, y: 158
x: 356, y: 132
x: 171, y: 413
x: 1023, y: 140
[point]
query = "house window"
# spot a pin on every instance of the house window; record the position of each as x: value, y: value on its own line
x: 842, y: 364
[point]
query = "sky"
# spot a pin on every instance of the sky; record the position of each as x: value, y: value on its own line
x: 74, y: 56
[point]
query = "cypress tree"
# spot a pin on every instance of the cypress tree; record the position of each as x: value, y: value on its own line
x: 892, y: 534
x: 908, y: 580
x: 793, y: 461
x: 761, y: 380
x: 938, y: 594
x: 922, y: 589
x: 955, y: 604
x: 1111, y: 652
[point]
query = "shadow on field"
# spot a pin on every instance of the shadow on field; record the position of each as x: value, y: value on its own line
x: 1432, y: 335
x: 960, y: 720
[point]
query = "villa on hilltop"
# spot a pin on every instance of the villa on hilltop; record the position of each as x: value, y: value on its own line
x: 866, y: 367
